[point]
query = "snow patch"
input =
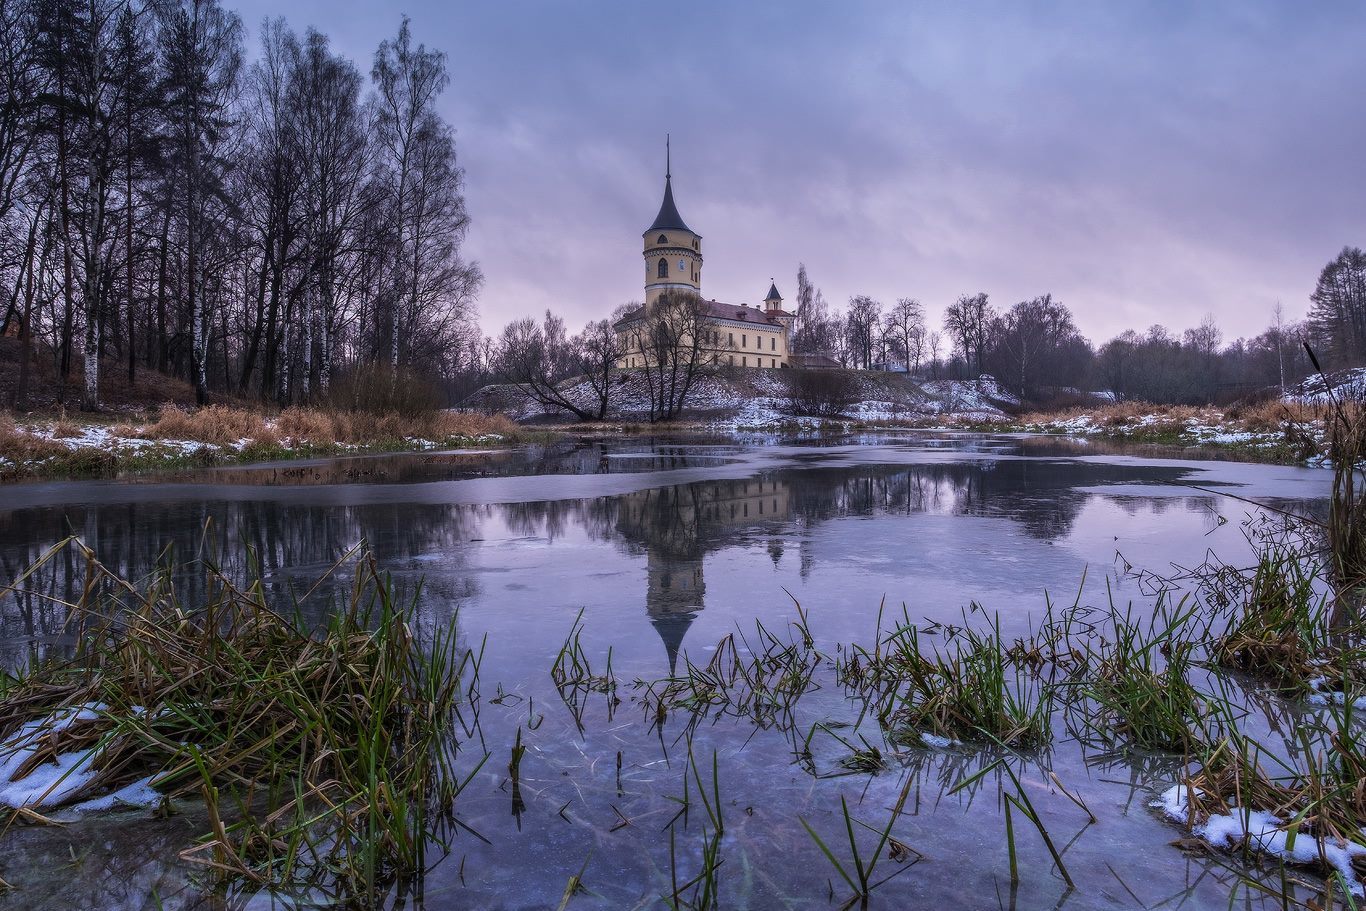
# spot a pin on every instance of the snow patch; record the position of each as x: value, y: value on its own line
x: 51, y: 782
x: 1265, y: 832
x: 939, y: 743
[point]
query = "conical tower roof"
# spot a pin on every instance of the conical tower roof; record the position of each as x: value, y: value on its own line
x: 672, y: 628
x: 668, y: 218
x: 773, y: 294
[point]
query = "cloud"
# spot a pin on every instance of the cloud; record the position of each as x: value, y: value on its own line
x: 1145, y: 163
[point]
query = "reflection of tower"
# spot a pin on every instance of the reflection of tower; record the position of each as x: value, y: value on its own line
x: 677, y: 527
x: 674, y: 591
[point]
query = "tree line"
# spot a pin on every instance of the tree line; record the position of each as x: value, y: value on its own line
x: 286, y: 227
x: 1035, y: 350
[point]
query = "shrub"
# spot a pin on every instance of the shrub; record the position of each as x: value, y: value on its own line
x: 821, y: 393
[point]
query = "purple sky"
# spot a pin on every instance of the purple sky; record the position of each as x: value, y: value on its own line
x: 1143, y: 162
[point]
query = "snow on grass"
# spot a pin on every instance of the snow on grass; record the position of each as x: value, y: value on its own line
x: 939, y: 743
x: 48, y: 783
x: 136, y: 441
x: 1323, y: 694
x: 1190, y: 427
x: 94, y: 436
x: 139, y: 793
x: 1267, y: 833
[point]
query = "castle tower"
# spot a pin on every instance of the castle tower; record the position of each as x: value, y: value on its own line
x: 773, y: 304
x: 673, y: 251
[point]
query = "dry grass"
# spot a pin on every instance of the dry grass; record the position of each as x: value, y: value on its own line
x: 17, y: 445
x: 1272, y: 415
x: 319, y: 426
x: 1347, y: 516
x: 216, y: 424
x: 222, y: 425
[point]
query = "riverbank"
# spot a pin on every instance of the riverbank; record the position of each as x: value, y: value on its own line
x: 175, y: 437
x: 86, y: 446
x: 1277, y: 432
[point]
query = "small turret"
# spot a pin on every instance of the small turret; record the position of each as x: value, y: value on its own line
x: 774, y: 300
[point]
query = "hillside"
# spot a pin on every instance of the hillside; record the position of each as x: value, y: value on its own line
x: 751, y: 399
x: 47, y: 392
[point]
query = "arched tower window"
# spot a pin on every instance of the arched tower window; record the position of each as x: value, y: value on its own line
x: 663, y: 239
x: 663, y: 270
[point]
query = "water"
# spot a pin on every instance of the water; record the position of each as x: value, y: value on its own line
x: 666, y: 546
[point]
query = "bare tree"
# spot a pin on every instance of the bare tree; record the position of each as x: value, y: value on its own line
x: 331, y: 139
x: 202, y: 57
x: 904, y: 326
x: 538, y: 358
x: 1036, y: 344
x: 600, y: 349
x: 967, y: 321
x: 422, y: 189
x: 862, y: 324
x: 816, y: 332
x: 670, y: 333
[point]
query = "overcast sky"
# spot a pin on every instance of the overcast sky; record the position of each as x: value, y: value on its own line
x: 1143, y: 162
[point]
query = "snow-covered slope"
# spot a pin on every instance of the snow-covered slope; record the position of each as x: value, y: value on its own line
x: 747, y: 399
x: 1341, y: 384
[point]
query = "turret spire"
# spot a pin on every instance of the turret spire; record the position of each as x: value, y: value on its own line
x: 668, y: 217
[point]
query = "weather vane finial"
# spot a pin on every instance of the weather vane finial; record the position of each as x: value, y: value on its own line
x: 668, y: 165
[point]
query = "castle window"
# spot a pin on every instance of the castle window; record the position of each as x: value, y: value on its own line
x: 663, y: 271
x: 730, y: 340
x: 682, y: 266
x: 662, y: 239
x: 744, y: 341
x: 773, y: 344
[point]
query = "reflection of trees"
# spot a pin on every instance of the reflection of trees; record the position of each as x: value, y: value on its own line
x: 293, y: 545
x: 673, y: 527
x: 1043, y: 496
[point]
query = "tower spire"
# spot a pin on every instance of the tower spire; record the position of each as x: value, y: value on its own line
x: 668, y: 165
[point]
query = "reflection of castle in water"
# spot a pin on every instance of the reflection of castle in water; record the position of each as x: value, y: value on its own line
x: 677, y: 526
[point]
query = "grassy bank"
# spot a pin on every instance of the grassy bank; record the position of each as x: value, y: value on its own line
x: 177, y: 437
x: 1281, y: 432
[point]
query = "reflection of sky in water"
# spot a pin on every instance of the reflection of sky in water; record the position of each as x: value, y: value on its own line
x: 670, y: 550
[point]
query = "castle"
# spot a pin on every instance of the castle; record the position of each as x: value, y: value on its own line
x: 736, y: 335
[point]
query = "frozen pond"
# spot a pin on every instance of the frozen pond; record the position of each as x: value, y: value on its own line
x: 667, y: 546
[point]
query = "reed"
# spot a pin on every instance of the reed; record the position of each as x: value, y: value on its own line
x: 322, y: 756
x: 1138, y: 685
x: 966, y: 689
x: 858, y: 872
